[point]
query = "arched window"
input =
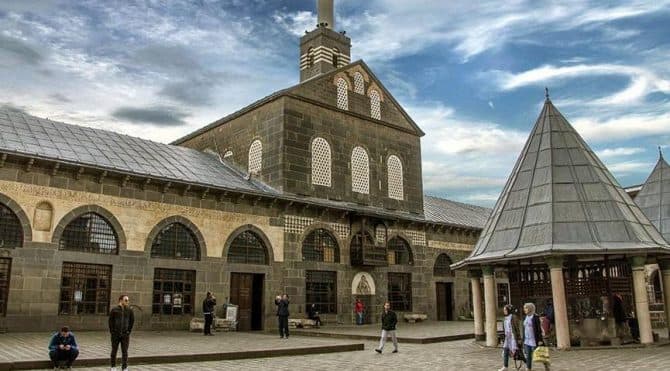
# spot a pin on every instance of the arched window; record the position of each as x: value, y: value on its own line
x: 310, y: 56
x: 442, y: 266
x: 228, y: 154
x: 336, y: 57
x: 11, y: 232
x: 255, y: 157
x: 356, y: 247
x: 320, y: 246
x: 321, y: 162
x: 342, y: 94
x: 375, y: 105
x: 395, y: 178
x: 399, y: 252
x: 359, y: 83
x: 248, y: 248
x: 90, y: 232
x: 360, y: 171
x: 175, y: 241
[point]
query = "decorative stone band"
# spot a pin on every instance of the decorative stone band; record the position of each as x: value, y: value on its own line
x: 323, y: 54
x: 450, y: 245
x: 296, y: 225
x: 417, y: 237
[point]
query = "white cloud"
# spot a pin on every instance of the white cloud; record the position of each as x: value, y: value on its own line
x: 618, y: 152
x: 623, y: 127
x: 628, y: 167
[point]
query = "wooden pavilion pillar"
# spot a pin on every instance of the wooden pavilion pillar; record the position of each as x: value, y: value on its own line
x: 641, y: 299
x: 561, y: 324
x: 490, y: 304
x: 475, y: 283
x: 665, y: 275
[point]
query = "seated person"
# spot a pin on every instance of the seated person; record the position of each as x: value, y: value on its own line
x: 63, y: 348
x: 314, y: 315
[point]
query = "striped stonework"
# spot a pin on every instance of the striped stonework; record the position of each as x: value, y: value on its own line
x: 296, y: 225
x: 325, y: 55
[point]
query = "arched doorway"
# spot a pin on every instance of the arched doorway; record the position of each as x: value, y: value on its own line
x: 363, y: 288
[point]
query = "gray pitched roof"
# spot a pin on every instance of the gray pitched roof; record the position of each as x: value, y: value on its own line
x: 561, y: 199
x: 31, y: 136
x: 654, y: 197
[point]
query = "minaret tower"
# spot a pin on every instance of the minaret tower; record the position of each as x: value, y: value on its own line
x: 323, y: 49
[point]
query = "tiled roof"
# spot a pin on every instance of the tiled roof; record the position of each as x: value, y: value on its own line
x: 654, y: 197
x: 561, y: 199
x: 445, y: 211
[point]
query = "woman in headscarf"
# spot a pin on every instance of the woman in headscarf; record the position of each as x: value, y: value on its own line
x: 512, y: 327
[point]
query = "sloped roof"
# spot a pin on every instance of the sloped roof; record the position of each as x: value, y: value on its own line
x: 654, y: 197
x: 561, y: 199
x: 30, y: 136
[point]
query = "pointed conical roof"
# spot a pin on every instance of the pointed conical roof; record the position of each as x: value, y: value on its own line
x: 654, y: 197
x: 560, y: 199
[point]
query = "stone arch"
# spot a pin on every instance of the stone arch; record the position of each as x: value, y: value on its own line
x: 269, y: 252
x: 21, y: 215
x: 322, y: 226
x: 202, y: 247
x: 342, y: 75
x: 373, y: 86
x: 356, y: 286
x: 442, y: 266
x: 43, y: 217
x: 77, y: 212
x: 407, y: 243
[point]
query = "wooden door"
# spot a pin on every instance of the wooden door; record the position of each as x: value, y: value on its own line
x: 443, y: 299
x: 241, y: 294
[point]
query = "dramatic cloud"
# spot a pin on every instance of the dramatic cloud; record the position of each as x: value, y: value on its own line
x: 15, y: 51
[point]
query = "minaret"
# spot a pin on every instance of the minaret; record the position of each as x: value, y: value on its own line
x: 323, y: 49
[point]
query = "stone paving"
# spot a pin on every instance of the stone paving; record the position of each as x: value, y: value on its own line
x: 419, y: 330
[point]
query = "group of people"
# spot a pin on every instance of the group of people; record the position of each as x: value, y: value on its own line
x: 63, y: 347
x: 522, y: 337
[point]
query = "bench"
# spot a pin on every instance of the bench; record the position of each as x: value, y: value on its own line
x: 415, y: 317
x: 197, y: 324
x: 301, y: 323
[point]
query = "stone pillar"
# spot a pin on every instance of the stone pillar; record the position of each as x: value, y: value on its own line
x: 641, y: 299
x: 665, y: 272
x: 475, y: 283
x: 490, y: 304
x: 561, y: 324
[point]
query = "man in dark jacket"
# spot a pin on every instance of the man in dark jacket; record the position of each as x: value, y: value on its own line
x: 63, y: 348
x: 282, y: 314
x: 389, y: 321
x: 208, y: 310
x: 121, y: 320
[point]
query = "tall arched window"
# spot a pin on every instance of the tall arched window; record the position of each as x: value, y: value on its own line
x: 320, y: 246
x: 255, y: 157
x: 375, y: 105
x: 360, y: 171
x: 336, y: 57
x: 395, y: 178
x: 11, y: 232
x: 321, y: 162
x: 442, y: 266
x: 359, y: 83
x: 399, y: 252
x: 90, y: 232
x: 176, y: 241
x: 342, y: 94
x: 248, y: 248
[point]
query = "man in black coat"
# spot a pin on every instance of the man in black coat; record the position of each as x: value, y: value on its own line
x: 389, y: 322
x: 208, y: 310
x: 282, y: 315
x: 121, y: 320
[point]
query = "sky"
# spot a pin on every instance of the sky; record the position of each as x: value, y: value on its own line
x: 470, y: 73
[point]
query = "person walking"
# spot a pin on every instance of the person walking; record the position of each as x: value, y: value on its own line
x: 359, y: 309
x: 208, y: 311
x: 121, y: 320
x: 389, y: 322
x: 63, y: 348
x: 532, y: 333
x: 282, y: 315
x: 512, y: 329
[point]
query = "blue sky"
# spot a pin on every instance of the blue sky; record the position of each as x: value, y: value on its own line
x: 471, y: 73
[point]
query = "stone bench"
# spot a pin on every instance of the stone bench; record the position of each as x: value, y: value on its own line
x: 197, y: 324
x: 415, y: 317
x: 301, y: 323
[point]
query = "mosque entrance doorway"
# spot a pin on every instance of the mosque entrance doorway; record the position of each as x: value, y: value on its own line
x: 444, y: 299
x: 246, y: 290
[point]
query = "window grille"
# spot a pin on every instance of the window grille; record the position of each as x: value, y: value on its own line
x: 5, y: 270
x: 395, y: 178
x: 321, y: 290
x: 320, y: 246
x: 442, y: 266
x: 359, y: 83
x: 400, y: 291
x: 342, y: 94
x: 85, y: 289
x: 360, y: 171
x: 11, y: 233
x: 321, y: 162
x: 247, y: 248
x: 176, y: 241
x: 399, y: 252
x: 174, y: 291
x: 380, y: 234
x: 255, y: 157
x: 503, y: 294
x: 90, y: 232
x: 375, y: 105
